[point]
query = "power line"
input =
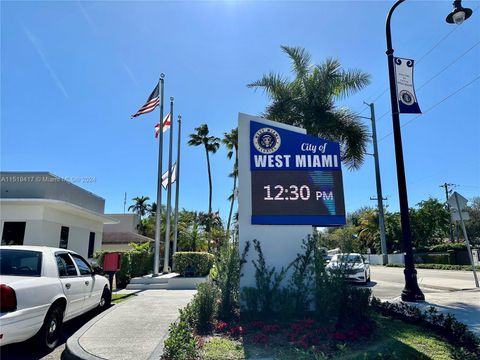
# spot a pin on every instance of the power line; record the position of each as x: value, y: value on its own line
x: 437, y: 74
x: 450, y: 64
x: 421, y: 58
x: 435, y: 105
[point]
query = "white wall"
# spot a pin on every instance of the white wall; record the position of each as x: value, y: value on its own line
x: 280, y: 243
x: 43, y: 226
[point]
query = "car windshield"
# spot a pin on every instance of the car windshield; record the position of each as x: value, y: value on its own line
x: 350, y: 259
x: 20, y: 262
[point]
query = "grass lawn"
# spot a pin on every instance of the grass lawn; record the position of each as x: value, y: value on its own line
x: 393, y: 339
x: 118, y: 298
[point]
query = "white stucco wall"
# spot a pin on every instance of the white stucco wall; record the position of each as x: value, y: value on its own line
x: 43, y: 226
x: 280, y: 243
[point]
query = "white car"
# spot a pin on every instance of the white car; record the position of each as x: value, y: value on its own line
x: 40, y: 288
x: 353, y: 266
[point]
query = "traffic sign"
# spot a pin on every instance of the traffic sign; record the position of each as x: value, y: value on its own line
x: 452, y: 201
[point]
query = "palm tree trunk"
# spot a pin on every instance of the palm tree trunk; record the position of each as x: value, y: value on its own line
x: 231, y: 204
x: 209, y: 197
x: 235, y: 171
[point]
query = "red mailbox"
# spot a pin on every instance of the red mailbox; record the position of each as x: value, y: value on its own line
x: 112, y: 262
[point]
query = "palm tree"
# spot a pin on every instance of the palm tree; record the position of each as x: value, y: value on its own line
x: 211, y: 145
x: 140, y: 207
x: 231, y: 142
x: 309, y: 102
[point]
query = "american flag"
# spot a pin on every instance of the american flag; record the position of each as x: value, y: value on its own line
x: 166, y: 125
x: 152, y: 102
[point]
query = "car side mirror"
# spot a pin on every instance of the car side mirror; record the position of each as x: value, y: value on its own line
x: 367, y: 262
x: 97, y: 270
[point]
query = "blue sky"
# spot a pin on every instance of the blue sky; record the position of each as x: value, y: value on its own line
x: 73, y: 72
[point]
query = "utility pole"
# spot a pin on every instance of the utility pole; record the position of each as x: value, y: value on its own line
x: 447, y: 194
x: 381, y: 215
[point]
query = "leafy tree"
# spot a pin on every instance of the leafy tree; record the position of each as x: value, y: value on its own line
x: 211, y: 145
x: 429, y: 223
x: 473, y: 225
x: 231, y: 142
x: 309, y: 102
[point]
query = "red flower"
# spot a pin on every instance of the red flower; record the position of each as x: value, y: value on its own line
x: 308, y: 323
x: 271, y: 329
x: 260, y: 338
x: 237, y: 330
x: 292, y: 336
x: 339, y: 336
x: 257, y: 324
x: 296, y: 327
x: 221, y: 326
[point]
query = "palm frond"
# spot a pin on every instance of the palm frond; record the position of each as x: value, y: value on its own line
x: 300, y: 60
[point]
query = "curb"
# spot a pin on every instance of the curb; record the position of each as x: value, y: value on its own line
x: 73, y: 349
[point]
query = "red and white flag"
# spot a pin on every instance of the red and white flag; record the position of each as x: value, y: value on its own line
x: 166, y: 125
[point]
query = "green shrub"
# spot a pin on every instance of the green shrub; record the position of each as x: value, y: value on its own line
x: 447, y: 325
x: 205, y: 307
x: 449, y: 246
x: 435, y: 259
x: 227, y: 269
x: 181, y: 343
x: 134, y: 263
x: 201, y: 262
x: 438, y: 266
x: 267, y: 289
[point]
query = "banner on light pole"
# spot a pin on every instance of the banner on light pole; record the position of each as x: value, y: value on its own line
x: 407, y: 100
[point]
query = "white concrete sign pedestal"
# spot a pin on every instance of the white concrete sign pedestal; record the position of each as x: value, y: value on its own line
x: 280, y: 243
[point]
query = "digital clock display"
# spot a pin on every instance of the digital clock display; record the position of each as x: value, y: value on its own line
x: 296, y: 194
x: 296, y: 179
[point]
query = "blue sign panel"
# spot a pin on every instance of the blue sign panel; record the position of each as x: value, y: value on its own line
x: 296, y: 178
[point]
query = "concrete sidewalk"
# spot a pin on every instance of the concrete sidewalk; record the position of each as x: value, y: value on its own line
x: 134, y: 329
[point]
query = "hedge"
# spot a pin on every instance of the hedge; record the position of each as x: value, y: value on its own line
x: 200, y: 262
x: 435, y: 259
x: 449, y: 246
x: 134, y: 263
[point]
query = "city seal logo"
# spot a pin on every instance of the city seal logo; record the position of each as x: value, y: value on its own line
x: 406, y: 97
x: 267, y: 140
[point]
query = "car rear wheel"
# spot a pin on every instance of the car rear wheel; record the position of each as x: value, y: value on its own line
x: 105, y: 300
x: 49, y: 334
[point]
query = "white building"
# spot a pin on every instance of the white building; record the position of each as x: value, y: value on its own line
x: 117, y: 236
x: 39, y: 208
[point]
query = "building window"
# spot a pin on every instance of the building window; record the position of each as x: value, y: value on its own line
x: 13, y: 232
x: 63, y: 237
x: 91, y: 245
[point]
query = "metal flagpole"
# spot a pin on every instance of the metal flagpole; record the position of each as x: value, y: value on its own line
x: 177, y: 187
x: 169, y: 193
x: 158, y: 220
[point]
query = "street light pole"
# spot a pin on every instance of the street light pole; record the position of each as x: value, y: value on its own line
x: 411, y: 291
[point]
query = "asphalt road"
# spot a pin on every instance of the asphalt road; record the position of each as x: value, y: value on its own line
x: 387, y: 283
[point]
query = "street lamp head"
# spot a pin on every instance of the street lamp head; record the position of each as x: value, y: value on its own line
x: 459, y: 14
